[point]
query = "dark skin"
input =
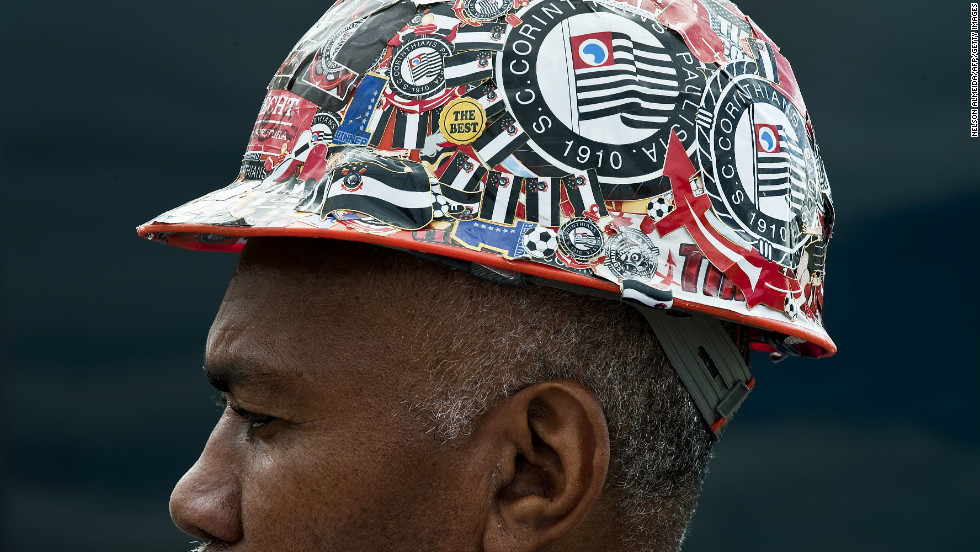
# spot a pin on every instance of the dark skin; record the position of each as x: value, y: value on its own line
x: 317, y: 449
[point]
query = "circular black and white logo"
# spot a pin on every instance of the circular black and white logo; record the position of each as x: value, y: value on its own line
x: 580, y: 238
x: 486, y: 10
x: 417, y: 67
x: 631, y: 255
x: 759, y: 167
x: 600, y: 87
x: 324, y: 66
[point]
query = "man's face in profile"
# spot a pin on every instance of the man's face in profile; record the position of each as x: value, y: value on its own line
x: 377, y: 401
x: 316, y: 449
x: 320, y: 446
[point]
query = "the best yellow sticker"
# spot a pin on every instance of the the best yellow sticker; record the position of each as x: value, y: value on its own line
x: 463, y: 121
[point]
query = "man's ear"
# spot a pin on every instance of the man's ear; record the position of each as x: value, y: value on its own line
x: 552, y: 444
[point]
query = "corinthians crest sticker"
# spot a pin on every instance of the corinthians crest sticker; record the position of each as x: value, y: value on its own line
x: 631, y: 254
x: 580, y: 238
x: 758, y: 163
x: 598, y: 87
x: 482, y: 10
x: 417, y: 67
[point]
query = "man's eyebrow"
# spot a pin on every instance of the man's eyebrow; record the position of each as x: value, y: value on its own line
x: 225, y: 375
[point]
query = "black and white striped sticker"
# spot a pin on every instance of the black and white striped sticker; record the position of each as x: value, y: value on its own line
x: 598, y: 86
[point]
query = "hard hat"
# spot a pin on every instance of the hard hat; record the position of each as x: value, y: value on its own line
x: 657, y: 151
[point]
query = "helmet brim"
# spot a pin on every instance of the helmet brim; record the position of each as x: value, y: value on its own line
x: 220, y: 237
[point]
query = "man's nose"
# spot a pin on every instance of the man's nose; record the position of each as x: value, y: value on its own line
x: 206, y: 503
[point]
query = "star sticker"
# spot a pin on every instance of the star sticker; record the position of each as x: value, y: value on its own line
x: 704, y: 70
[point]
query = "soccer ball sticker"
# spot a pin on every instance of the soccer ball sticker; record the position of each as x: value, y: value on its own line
x: 791, y: 307
x: 440, y: 207
x: 660, y: 206
x: 540, y: 243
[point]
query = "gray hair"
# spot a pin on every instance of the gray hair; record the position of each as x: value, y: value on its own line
x: 505, y: 339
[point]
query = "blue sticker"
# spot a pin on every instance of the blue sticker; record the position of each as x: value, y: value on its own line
x: 504, y: 239
x: 354, y: 129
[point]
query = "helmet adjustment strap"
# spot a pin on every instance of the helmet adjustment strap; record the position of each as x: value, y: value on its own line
x: 707, y: 362
x: 697, y: 345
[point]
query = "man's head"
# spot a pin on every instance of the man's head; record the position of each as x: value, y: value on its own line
x: 381, y: 401
x: 577, y: 156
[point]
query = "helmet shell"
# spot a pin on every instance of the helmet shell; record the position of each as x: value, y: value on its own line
x: 661, y: 148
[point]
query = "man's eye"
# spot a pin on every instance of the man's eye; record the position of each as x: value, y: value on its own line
x: 254, y: 421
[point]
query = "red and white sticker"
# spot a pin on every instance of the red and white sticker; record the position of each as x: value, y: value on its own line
x: 767, y: 138
x: 282, y: 118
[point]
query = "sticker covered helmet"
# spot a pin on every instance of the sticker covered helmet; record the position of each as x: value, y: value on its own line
x: 658, y: 150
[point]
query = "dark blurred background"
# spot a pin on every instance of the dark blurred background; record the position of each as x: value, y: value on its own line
x: 116, y: 111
